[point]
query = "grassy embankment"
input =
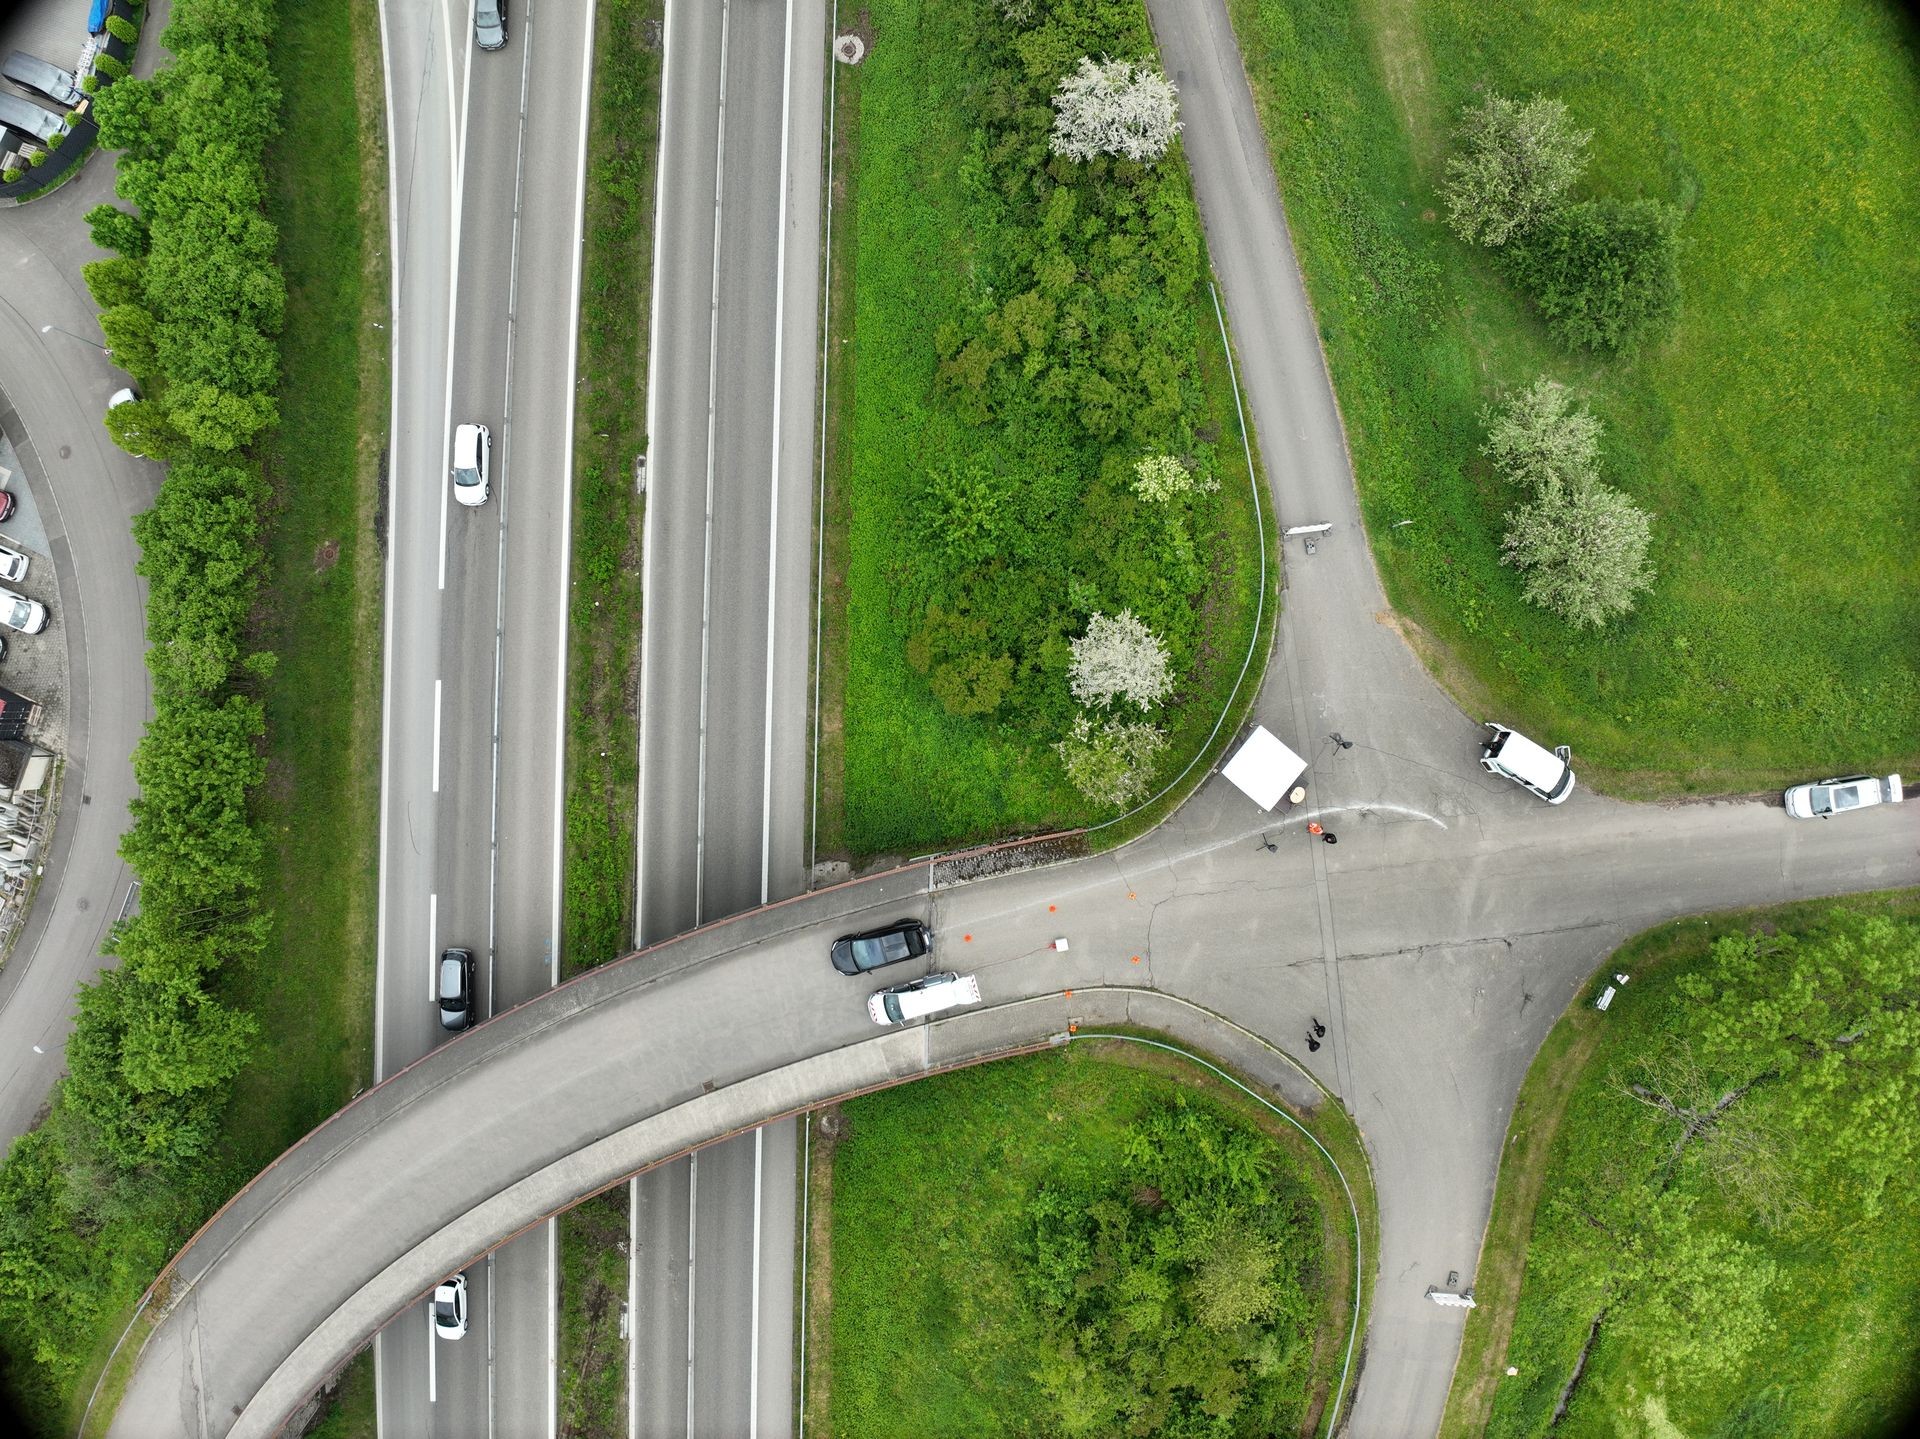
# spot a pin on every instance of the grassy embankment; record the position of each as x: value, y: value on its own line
x: 1763, y: 434
x: 319, y: 612
x: 921, y: 1212
x: 918, y: 245
x: 1843, y: 1296
x: 604, y: 641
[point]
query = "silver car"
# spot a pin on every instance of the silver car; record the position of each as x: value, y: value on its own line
x: 489, y: 23
x: 1823, y: 799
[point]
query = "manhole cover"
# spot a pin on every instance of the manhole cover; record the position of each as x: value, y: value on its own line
x: 849, y: 49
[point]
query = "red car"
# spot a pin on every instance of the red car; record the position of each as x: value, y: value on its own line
x: 7, y: 502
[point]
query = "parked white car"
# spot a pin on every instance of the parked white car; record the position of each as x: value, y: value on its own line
x: 17, y: 612
x: 930, y: 994
x: 13, y: 565
x: 1825, y: 798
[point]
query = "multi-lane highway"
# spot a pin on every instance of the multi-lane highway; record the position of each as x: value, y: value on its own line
x: 728, y: 575
x: 487, y: 176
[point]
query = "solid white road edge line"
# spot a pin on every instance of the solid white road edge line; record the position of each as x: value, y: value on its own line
x: 433, y: 945
x: 436, y: 736
x: 706, y: 561
x: 633, y: 1307
x: 820, y: 508
x: 433, y: 1365
x: 458, y: 129
x: 773, y: 518
x: 693, y: 1212
x: 753, y: 1341
x: 646, y: 513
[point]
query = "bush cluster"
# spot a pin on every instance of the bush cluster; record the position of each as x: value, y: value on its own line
x: 1073, y: 361
x: 191, y: 307
x: 1178, y: 1302
x: 1604, y: 272
x: 1581, y: 544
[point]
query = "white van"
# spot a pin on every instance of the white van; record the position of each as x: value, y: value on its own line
x: 928, y: 995
x: 1548, y: 773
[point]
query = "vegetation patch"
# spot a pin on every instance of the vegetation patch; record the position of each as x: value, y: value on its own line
x: 1712, y: 1188
x: 170, y: 1104
x: 1756, y: 430
x: 1030, y: 326
x: 603, y: 620
x: 1099, y: 1241
x: 593, y: 1296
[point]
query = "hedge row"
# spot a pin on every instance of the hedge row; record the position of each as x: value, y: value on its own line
x: 92, y: 1202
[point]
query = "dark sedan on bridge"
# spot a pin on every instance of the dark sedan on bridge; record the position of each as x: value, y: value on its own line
x: 902, y: 940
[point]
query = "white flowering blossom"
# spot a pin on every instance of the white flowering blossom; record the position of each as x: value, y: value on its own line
x: 1119, y: 656
x: 1114, y: 107
x: 1113, y: 764
x: 1159, y: 478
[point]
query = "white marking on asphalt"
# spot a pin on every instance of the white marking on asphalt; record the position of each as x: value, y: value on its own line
x: 492, y: 1329
x: 436, y: 736
x: 706, y: 561
x: 1375, y: 805
x: 693, y: 1211
x: 820, y: 508
x: 633, y: 1286
x: 753, y: 1342
x: 773, y: 519
x: 433, y: 946
x: 646, y: 522
x: 433, y: 1365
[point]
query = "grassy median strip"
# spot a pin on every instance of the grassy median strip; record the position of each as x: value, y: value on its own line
x: 982, y: 1220
x: 1743, y: 1284
x: 1759, y: 433
x: 603, y: 641
x: 1011, y: 335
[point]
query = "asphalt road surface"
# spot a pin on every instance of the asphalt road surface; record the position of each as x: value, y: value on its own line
x: 487, y: 184
x: 731, y: 404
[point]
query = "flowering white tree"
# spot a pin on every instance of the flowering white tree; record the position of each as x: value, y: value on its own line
x: 1583, y: 549
x: 1114, y: 107
x: 1111, y: 764
x: 1119, y: 656
x: 1538, y: 436
x: 1159, y: 478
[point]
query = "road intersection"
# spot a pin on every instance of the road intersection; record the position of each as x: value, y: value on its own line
x: 1440, y: 939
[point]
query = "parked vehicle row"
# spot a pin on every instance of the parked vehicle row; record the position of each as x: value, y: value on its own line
x: 896, y: 943
x: 17, y: 611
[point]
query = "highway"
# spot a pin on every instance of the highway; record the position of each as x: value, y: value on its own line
x: 1440, y: 940
x: 487, y: 195
x: 724, y: 673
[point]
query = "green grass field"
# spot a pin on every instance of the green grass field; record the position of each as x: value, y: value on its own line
x: 919, y: 1320
x: 1771, y: 434
x: 1845, y: 1298
x: 899, y: 773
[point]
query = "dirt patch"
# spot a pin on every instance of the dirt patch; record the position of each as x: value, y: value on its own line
x: 1407, y: 69
x: 326, y: 556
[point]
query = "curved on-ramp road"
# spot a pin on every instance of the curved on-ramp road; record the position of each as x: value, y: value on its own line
x: 1439, y: 940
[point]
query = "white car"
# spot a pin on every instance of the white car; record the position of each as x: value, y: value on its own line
x: 1823, y: 799
x: 13, y: 565
x: 930, y: 994
x: 472, y: 463
x: 450, y: 1307
x: 20, y: 613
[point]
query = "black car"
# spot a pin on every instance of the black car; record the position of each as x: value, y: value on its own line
x: 903, y: 939
x: 456, y: 988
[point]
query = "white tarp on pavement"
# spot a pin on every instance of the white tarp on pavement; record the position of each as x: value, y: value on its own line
x: 1265, y: 768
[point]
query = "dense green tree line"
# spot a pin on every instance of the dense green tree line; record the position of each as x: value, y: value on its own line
x: 1074, y: 359
x: 1771, y: 1115
x: 191, y: 308
x: 1181, y: 1300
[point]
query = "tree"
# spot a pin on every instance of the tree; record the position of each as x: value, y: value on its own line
x: 1161, y: 478
x: 1605, y: 273
x: 1111, y: 764
x: 142, y: 427
x: 1119, y: 656
x: 1536, y: 436
x: 1583, y: 549
x: 115, y: 282
x: 129, y: 334
x: 1114, y: 107
x: 1514, y: 162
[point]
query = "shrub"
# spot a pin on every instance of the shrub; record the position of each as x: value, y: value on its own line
x: 1162, y: 478
x: 1536, y: 436
x: 1514, y: 162
x: 106, y: 64
x: 1583, y: 549
x: 142, y: 427
x: 129, y: 334
x: 1605, y: 273
x: 1112, y: 764
x: 114, y: 282
x: 89, y: 83
x: 10, y: 174
x: 115, y: 229
x: 122, y: 29
x: 1114, y: 108
x: 1119, y: 656
x: 38, y: 158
